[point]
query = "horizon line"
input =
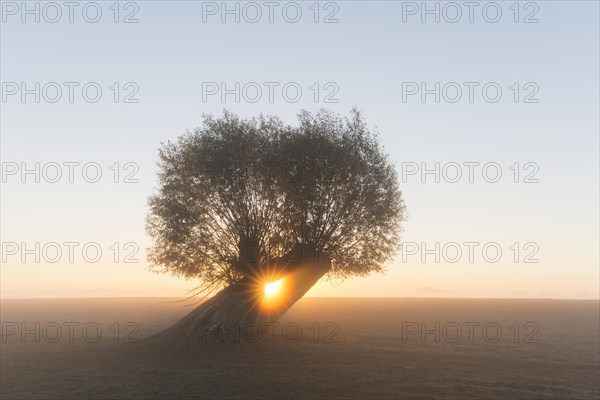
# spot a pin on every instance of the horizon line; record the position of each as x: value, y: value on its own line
x: 308, y: 297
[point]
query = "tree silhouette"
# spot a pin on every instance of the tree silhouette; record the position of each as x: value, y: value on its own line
x: 245, y: 202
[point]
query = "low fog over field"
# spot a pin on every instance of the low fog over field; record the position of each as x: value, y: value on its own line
x: 322, y: 348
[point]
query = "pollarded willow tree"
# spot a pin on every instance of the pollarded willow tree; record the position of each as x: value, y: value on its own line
x: 249, y: 205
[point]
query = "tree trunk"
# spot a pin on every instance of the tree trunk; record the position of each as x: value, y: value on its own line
x: 245, y: 302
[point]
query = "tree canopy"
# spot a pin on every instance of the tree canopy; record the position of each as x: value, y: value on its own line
x: 237, y: 194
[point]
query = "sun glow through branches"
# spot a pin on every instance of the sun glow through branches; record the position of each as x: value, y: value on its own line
x: 273, y: 288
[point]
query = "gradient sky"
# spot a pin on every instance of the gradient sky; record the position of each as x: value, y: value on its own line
x: 367, y: 54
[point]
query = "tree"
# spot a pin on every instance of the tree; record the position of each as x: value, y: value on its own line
x: 242, y: 203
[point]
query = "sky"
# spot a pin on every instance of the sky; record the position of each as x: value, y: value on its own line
x: 490, y: 115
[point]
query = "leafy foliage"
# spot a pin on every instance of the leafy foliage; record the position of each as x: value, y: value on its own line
x: 325, y: 183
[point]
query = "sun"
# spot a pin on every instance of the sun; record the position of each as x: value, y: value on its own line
x: 273, y: 288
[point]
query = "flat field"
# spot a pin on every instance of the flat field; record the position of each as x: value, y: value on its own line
x: 323, y: 348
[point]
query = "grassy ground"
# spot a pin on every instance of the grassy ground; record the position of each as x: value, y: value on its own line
x: 322, y: 348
